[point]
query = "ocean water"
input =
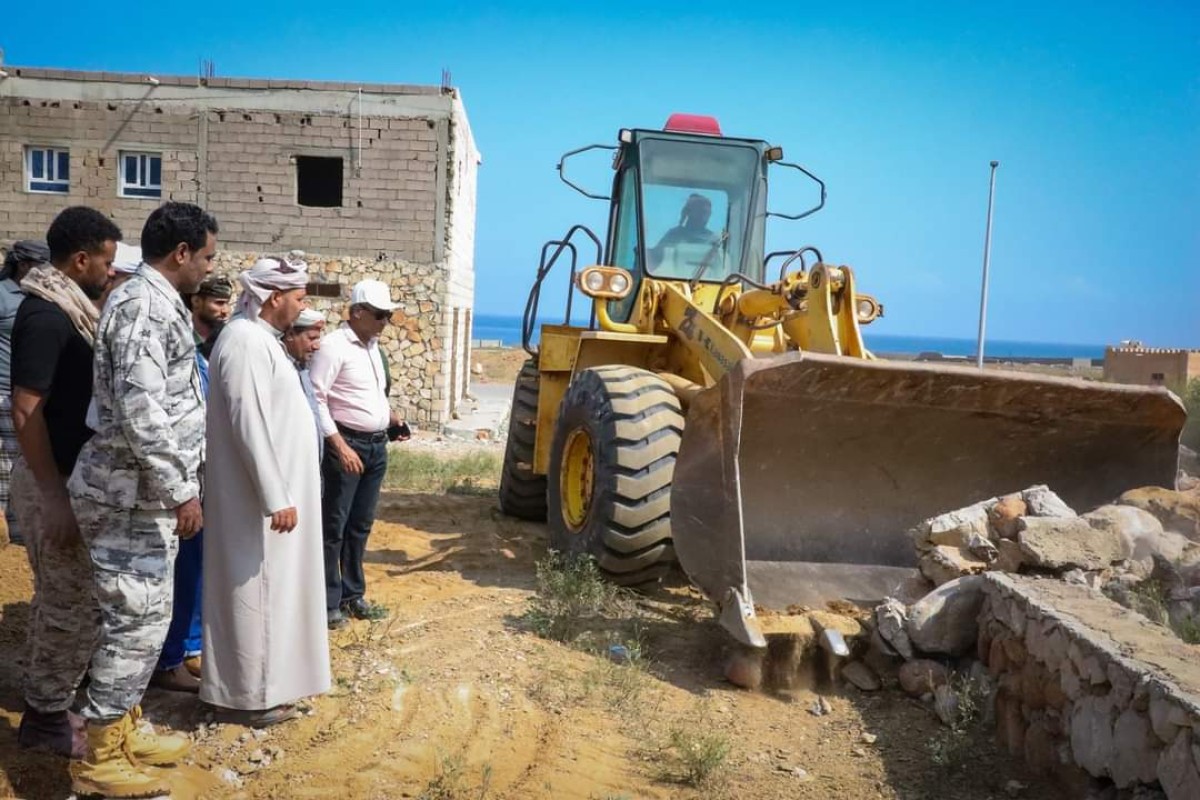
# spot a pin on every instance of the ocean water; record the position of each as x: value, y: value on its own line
x: 507, y: 330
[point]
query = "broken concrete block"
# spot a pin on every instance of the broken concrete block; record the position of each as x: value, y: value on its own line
x: 1041, y: 502
x: 1177, y: 511
x: 945, y: 621
x: 943, y: 564
x: 1059, y: 544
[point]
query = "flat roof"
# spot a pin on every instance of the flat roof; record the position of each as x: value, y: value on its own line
x: 231, y: 94
x: 143, y: 79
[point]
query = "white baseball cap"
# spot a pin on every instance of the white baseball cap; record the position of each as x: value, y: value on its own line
x: 372, y: 293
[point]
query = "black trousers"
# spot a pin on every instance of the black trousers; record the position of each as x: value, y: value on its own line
x: 348, y: 511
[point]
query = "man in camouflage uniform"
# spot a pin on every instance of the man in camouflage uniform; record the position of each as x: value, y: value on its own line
x: 179, y: 663
x: 136, y: 492
x: 52, y: 341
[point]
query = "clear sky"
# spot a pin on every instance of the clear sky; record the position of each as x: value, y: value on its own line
x: 1092, y: 108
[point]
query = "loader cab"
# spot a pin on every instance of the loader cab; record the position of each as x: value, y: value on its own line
x: 688, y: 204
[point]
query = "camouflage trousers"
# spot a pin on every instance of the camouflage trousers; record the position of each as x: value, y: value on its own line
x: 133, y: 560
x: 64, y: 618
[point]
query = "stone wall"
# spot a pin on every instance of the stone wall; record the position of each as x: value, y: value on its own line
x: 415, y: 343
x: 1084, y: 684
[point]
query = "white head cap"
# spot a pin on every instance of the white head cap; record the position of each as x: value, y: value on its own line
x: 129, y: 258
x: 372, y: 293
x: 308, y: 319
x: 266, y: 276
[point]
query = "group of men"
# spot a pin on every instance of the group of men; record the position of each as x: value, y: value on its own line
x: 181, y: 483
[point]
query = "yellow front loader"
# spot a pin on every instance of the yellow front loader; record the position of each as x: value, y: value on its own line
x: 735, y: 421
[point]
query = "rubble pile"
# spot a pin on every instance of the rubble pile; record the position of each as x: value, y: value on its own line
x: 1067, y: 695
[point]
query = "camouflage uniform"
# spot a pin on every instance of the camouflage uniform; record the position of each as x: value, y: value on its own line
x: 145, y: 460
x: 64, y: 624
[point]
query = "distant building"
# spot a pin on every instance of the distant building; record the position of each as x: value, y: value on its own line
x: 370, y: 180
x: 1151, y: 366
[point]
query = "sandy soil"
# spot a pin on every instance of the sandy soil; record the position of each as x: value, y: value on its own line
x: 497, y: 364
x: 454, y: 698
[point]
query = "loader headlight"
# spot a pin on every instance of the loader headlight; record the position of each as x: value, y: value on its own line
x: 868, y: 309
x: 606, y: 283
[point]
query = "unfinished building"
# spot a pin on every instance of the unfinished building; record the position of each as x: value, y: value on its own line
x: 370, y: 180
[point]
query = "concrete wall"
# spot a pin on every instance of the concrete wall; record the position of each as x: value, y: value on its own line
x: 1151, y: 367
x: 408, y: 190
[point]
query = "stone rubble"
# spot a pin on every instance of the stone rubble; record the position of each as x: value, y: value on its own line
x: 1068, y: 697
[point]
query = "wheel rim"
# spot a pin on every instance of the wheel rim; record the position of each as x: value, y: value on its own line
x: 577, y: 479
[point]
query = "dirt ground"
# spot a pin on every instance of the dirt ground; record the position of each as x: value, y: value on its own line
x: 453, y: 697
x: 498, y: 364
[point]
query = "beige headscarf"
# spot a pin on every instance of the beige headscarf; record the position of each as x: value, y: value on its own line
x: 50, y: 284
x: 266, y: 276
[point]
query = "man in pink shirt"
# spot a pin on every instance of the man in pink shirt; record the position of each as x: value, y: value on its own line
x: 349, y: 379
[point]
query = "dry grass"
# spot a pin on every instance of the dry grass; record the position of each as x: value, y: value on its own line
x: 472, y: 472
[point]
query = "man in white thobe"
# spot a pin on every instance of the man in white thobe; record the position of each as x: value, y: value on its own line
x: 265, y: 641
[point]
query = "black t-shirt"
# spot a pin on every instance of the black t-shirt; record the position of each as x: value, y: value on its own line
x: 51, y: 358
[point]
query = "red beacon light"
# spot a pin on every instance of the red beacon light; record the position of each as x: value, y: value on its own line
x: 693, y: 123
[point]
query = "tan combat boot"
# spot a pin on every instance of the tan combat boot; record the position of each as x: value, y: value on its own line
x: 109, y: 770
x: 148, y: 747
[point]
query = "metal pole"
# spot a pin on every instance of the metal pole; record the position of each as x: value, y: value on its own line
x: 987, y: 257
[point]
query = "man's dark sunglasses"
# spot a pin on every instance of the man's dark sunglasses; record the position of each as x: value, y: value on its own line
x: 380, y: 316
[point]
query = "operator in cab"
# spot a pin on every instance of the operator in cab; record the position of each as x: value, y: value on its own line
x: 692, y: 228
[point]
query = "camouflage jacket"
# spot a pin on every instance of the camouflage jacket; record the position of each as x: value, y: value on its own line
x: 148, y: 451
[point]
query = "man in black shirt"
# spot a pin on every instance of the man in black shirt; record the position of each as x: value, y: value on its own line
x: 52, y: 385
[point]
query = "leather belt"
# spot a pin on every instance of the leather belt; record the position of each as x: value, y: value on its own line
x: 362, y: 436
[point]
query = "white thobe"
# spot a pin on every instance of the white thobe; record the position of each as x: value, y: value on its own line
x: 265, y: 636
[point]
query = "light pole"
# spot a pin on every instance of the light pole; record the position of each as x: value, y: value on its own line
x: 987, y: 257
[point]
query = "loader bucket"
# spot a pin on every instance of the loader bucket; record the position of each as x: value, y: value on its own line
x: 800, y: 475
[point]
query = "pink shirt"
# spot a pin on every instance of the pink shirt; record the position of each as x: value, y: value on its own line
x: 348, y: 381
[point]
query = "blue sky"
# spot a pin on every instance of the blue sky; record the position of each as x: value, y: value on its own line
x: 1093, y: 110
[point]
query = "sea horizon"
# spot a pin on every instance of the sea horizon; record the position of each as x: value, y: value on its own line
x: 507, y: 330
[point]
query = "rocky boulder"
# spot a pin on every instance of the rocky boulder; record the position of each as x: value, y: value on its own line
x: 1177, y: 511
x: 890, y: 617
x: 922, y: 676
x: 1041, y: 502
x: 1142, y: 535
x: 1062, y: 543
x: 957, y: 528
x: 943, y: 564
x: 945, y: 621
x: 1004, y: 516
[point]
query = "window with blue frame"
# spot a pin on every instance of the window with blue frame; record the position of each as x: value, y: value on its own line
x: 141, y: 174
x: 47, y: 169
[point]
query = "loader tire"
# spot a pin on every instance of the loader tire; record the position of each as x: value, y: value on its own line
x: 615, y: 442
x: 523, y: 492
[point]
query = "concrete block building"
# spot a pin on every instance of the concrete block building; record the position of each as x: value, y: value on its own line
x: 1151, y: 366
x: 369, y: 180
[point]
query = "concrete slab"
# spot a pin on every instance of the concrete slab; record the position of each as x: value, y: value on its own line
x: 483, y: 417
